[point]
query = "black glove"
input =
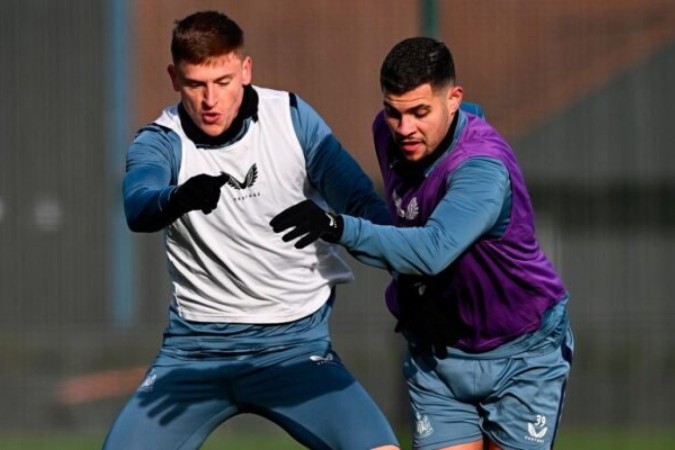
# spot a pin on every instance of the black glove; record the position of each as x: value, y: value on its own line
x: 309, y: 221
x: 199, y: 192
x: 425, y: 314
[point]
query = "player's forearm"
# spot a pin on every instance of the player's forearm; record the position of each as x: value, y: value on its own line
x: 146, y: 212
x: 468, y: 210
x: 414, y: 250
x: 146, y: 207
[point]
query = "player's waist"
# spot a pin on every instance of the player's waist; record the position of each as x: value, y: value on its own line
x: 542, y: 339
x: 188, y: 337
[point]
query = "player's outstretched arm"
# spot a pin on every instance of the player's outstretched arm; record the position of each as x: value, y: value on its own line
x: 468, y: 210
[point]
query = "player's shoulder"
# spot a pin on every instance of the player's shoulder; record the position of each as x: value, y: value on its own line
x: 269, y: 94
x: 276, y: 99
x: 473, y: 108
x: 154, y: 128
x: 156, y: 136
x: 153, y: 131
x: 481, y: 139
x: 163, y: 126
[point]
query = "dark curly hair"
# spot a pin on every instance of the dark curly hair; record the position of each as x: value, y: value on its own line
x: 416, y: 61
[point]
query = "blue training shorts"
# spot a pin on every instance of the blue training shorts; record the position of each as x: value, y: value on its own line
x: 302, y: 386
x: 515, y: 401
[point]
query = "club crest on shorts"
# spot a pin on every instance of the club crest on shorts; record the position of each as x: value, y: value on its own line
x: 149, y: 381
x: 423, y: 427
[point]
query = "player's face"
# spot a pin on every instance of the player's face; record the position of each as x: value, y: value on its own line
x: 420, y: 118
x: 212, y: 92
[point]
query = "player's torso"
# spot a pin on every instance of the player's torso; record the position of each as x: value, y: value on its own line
x: 229, y: 265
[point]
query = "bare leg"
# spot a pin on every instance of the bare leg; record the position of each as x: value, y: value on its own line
x: 475, y: 445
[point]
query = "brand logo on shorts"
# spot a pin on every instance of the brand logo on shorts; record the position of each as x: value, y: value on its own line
x: 423, y: 427
x: 149, y: 381
x: 537, y: 430
x: 319, y: 360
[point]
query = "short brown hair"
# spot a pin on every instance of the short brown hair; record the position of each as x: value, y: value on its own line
x: 204, y: 35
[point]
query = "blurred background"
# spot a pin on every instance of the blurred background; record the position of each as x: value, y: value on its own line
x: 583, y: 90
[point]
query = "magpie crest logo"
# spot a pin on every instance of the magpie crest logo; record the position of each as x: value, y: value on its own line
x: 423, y: 427
x: 410, y: 212
x: 249, y: 179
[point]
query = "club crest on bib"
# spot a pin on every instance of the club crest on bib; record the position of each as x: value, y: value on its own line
x: 410, y: 212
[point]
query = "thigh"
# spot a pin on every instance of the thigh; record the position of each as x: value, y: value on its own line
x: 176, y: 406
x: 525, y: 407
x: 309, y: 392
x: 441, y: 400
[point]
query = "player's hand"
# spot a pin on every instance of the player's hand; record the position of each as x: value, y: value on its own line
x: 310, y: 221
x: 199, y: 192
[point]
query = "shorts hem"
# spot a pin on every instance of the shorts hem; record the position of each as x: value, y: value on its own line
x: 448, y: 442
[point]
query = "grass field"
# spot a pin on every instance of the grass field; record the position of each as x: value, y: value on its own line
x: 569, y: 440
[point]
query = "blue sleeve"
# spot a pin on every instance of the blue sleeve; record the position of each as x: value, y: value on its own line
x: 151, y: 174
x: 469, y: 209
x: 332, y: 170
x: 473, y: 108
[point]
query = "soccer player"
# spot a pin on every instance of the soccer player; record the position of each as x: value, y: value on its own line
x: 480, y: 305
x: 248, y: 320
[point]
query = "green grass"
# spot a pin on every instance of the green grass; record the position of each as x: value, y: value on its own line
x: 624, y: 439
x: 620, y: 439
x: 54, y: 442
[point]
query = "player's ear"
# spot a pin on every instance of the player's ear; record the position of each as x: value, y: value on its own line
x: 173, y: 74
x: 247, y: 67
x: 455, y: 96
